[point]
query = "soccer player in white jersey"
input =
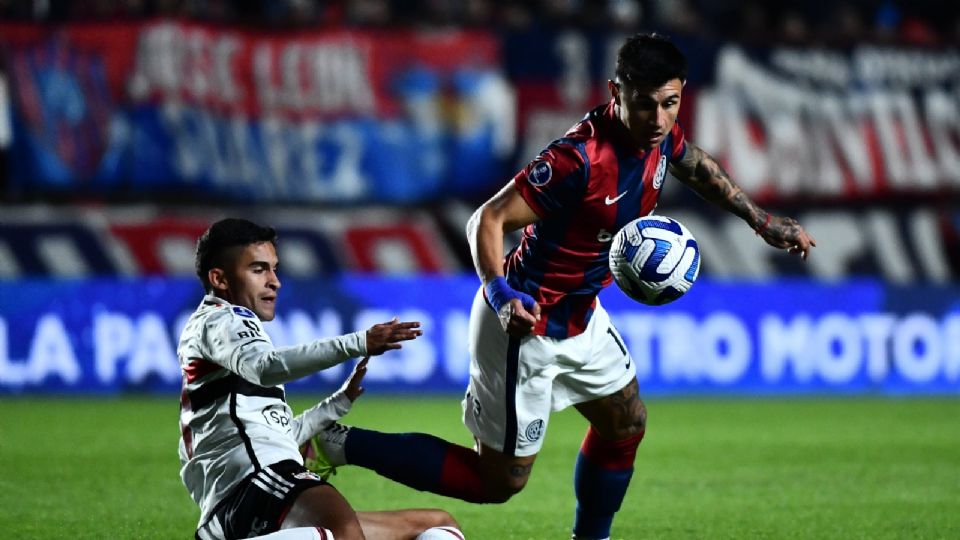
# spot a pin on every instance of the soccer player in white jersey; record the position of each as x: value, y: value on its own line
x: 239, y: 445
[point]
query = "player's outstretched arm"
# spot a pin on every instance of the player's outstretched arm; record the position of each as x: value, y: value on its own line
x: 504, y: 212
x: 702, y: 173
x: 383, y: 337
x: 310, y: 422
x: 352, y: 388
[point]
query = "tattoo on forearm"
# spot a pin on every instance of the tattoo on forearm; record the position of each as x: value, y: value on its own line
x: 706, y: 176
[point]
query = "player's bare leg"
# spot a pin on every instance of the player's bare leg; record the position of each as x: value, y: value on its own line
x: 504, y: 476
x: 407, y: 524
x: 324, y: 506
x: 618, y: 416
x: 605, y: 463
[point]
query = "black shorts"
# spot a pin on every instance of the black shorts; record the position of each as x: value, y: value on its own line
x: 258, y: 504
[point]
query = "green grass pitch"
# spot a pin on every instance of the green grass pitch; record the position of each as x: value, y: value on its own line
x: 709, y: 468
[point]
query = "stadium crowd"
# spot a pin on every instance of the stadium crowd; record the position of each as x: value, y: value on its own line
x: 929, y: 23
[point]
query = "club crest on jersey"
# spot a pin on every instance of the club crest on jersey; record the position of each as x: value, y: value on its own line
x: 661, y: 172
x: 307, y: 475
x: 541, y: 173
x: 243, y: 312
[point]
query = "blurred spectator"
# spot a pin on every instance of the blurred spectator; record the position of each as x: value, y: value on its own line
x: 754, y: 23
x: 368, y: 13
x: 516, y: 16
x: 886, y: 21
x: 677, y: 16
x: 794, y: 28
x: 625, y: 15
x: 918, y: 23
x: 479, y: 13
x: 916, y: 31
x: 844, y: 27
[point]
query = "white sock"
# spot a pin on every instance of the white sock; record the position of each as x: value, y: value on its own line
x: 299, y: 533
x: 441, y: 533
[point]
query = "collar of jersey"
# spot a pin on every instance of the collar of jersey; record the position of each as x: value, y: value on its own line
x: 214, y: 299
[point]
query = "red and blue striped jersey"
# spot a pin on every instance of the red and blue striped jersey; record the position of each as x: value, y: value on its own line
x: 584, y: 187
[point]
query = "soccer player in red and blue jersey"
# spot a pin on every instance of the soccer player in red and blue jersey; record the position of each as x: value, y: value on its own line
x: 539, y: 339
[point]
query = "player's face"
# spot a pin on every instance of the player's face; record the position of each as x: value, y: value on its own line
x: 252, y: 281
x: 648, y: 113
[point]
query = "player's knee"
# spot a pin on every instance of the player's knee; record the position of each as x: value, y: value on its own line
x: 505, y: 487
x: 629, y: 425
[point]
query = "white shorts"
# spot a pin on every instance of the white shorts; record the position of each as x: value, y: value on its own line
x: 515, y: 383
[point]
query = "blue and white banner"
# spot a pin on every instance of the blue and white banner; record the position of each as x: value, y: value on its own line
x: 787, y: 337
x: 171, y: 108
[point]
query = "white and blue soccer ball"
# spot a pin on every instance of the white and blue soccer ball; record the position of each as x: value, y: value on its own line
x: 654, y: 260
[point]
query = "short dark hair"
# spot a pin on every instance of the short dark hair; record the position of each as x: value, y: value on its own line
x: 646, y: 60
x: 217, y: 244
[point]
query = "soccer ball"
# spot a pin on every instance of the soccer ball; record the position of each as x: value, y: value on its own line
x: 654, y: 260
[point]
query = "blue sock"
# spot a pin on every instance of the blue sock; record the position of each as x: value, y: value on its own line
x: 599, y: 494
x: 600, y: 480
x: 418, y: 460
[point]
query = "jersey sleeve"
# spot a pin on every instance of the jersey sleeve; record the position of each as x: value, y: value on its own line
x: 678, y: 143
x: 231, y: 334
x: 235, y: 339
x: 556, y: 178
x: 318, y: 417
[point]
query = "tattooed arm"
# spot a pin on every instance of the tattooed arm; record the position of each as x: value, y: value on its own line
x: 703, y: 174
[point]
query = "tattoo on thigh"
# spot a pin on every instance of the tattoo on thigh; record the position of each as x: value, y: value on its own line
x: 625, y: 399
x: 626, y: 404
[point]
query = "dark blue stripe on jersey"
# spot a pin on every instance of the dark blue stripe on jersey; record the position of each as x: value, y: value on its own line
x: 692, y: 271
x: 547, y: 233
x: 630, y: 184
x: 542, y: 240
x: 243, y: 432
x: 510, y: 426
x: 557, y: 319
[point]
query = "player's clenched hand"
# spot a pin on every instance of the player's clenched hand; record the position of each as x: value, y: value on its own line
x: 352, y: 388
x: 786, y: 233
x: 516, y: 319
x: 518, y: 311
x: 387, y: 336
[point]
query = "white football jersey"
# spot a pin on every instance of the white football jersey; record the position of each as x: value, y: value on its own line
x: 234, y: 419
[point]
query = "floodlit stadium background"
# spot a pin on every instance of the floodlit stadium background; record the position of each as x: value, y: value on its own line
x: 366, y: 132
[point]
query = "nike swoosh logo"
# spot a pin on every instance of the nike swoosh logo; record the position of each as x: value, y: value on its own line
x: 610, y: 201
